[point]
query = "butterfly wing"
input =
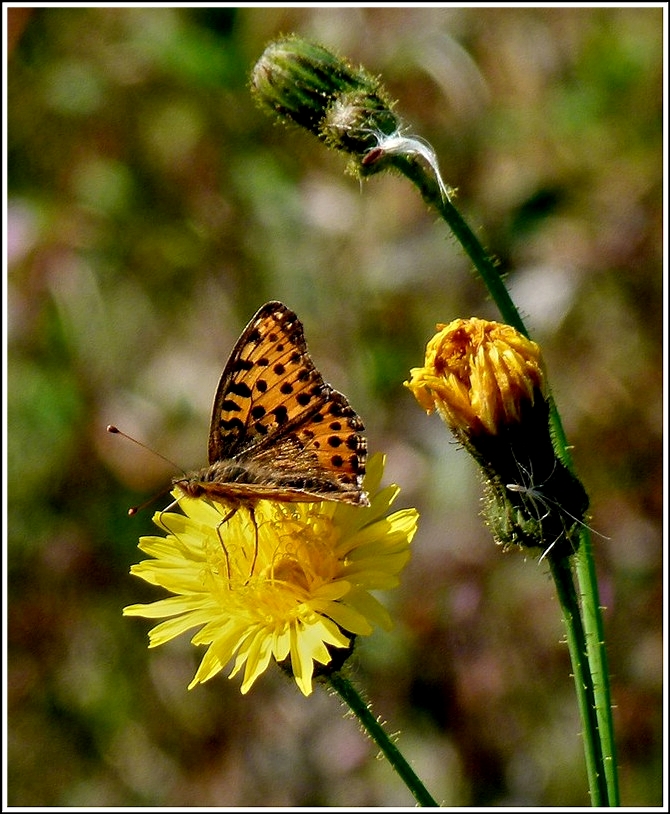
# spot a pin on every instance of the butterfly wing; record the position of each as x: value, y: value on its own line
x: 274, y: 416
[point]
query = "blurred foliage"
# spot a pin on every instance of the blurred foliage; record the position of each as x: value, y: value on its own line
x: 151, y: 209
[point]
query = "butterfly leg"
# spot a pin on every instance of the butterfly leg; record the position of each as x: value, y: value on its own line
x: 252, y: 514
x: 227, y: 517
x: 164, y: 511
x: 230, y: 513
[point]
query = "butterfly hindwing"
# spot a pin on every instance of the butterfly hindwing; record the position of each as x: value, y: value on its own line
x: 324, y: 455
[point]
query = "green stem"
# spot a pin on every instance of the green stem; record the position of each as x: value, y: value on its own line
x: 375, y: 730
x: 590, y: 625
x: 565, y: 588
x: 597, y: 655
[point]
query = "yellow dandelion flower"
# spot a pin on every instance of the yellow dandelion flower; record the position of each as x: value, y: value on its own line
x: 295, y: 587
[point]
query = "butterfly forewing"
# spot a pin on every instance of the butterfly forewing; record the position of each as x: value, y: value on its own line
x: 268, y: 381
x: 278, y: 430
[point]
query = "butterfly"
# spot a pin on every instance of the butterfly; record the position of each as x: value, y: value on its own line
x: 278, y: 430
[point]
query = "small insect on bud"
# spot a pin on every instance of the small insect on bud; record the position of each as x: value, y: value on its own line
x: 357, y: 122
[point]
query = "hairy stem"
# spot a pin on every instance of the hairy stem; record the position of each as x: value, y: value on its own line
x: 376, y: 731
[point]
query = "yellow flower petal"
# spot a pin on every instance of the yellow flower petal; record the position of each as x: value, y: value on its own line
x: 477, y: 375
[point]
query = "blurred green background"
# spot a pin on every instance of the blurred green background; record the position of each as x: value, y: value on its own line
x: 151, y: 209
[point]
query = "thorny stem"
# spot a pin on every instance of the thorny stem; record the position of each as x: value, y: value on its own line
x: 565, y: 588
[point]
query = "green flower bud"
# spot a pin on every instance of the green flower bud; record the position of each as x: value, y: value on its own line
x: 343, y: 106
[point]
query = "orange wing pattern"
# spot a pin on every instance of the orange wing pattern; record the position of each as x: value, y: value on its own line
x: 278, y: 430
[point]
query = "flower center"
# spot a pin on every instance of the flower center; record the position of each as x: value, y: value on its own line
x: 292, y: 573
x: 272, y: 562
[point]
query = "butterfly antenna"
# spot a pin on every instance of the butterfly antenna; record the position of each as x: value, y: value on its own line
x: 133, y: 510
x: 114, y: 430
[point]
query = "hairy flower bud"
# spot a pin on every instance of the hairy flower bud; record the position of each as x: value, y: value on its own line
x: 344, y: 106
x: 347, y: 108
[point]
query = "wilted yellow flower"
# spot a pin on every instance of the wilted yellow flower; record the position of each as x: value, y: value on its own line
x: 479, y: 375
x: 486, y: 381
x: 290, y: 587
